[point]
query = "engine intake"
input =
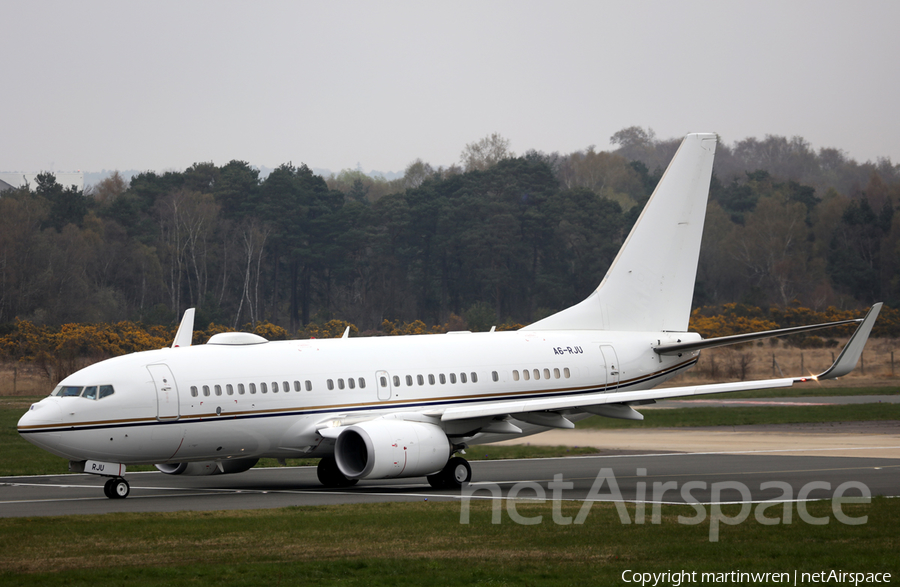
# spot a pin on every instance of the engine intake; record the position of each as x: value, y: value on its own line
x: 225, y: 467
x: 385, y: 449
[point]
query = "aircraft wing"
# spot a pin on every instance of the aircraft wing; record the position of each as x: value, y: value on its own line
x: 619, y: 401
x: 596, y: 399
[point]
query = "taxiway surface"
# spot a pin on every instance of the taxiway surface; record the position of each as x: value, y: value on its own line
x: 297, y: 486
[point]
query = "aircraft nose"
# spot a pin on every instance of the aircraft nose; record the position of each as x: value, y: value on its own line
x: 33, y: 424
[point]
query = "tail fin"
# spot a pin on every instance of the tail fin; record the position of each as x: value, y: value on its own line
x: 650, y: 284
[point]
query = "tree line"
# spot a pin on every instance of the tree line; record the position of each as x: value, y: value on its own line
x: 497, y: 238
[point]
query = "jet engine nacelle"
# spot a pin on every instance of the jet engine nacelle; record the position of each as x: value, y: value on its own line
x: 383, y: 449
x: 208, y: 467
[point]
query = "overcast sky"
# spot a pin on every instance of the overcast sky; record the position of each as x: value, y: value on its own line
x: 160, y: 85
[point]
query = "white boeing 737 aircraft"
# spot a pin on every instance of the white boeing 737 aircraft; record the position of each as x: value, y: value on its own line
x: 378, y: 408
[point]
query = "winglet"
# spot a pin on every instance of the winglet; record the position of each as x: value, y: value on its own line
x: 185, y: 330
x: 848, y: 358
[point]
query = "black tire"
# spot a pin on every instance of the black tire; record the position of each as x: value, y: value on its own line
x: 437, y: 480
x: 454, y: 475
x: 330, y: 475
x: 108, y: 488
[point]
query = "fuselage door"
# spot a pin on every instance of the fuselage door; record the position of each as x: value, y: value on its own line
x: 383, y: 383
x: 612, y: 367
x: 166, y: 392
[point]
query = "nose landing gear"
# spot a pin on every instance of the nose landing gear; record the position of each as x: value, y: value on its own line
x: 117, y: 488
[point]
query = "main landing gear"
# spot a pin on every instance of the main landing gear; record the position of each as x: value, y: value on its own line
x: 454, y: 474
x: 117, y: 488
x: 330, y: 475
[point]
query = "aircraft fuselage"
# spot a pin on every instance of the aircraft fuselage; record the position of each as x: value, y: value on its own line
x: 235, y: 401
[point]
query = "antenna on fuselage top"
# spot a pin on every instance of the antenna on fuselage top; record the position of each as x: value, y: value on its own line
x: 185, y: 330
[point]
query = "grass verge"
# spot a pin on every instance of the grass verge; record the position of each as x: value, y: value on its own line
x: 411, y: 543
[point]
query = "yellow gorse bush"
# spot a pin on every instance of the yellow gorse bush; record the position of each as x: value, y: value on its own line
x: 62, y: 350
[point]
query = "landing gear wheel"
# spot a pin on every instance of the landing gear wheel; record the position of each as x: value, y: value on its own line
x: 330, y: 475
x: 121, y: 488
x: 436, y: 480
x: 454, y: 475
x: 116, y: 488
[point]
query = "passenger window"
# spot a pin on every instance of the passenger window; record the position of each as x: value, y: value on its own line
x: 556, y: 373
x: 442, y: 378
x: 420, y: 380
x: 409, y: 380
x: 462, y: 377
x: 566, y: 372
x: 90, y: 392
x: 308, y: 385
x: 296, y: 386
x: 275, y: 387
x: 362, y: 383
x: 206, y: 390
x: 494, y: 376
x: 526, y: 375
x: 430, y: 379
x: 240, y: 389
x: 537, y: 374
x: 396, y: 381
x: 383, y: 381
x: 474, y: 377
x: 194, y: 391
x: 218, y: 389
x: 340, y: 384
x: 285, y: 387
x: 106, y: 391
x: 546, y: 373
x: 252, y: 388
x: 351, y: 383
x: 229, y: 389
x: 263, y: 388
x: 515, y: 375
x: 330, y: 383
x: 453, y: 378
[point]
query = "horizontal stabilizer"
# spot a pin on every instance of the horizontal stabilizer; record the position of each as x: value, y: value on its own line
x: 708, y: 343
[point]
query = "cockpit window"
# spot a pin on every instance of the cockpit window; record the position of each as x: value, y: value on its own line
x: 68, y: 391
x: 89, y: 392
